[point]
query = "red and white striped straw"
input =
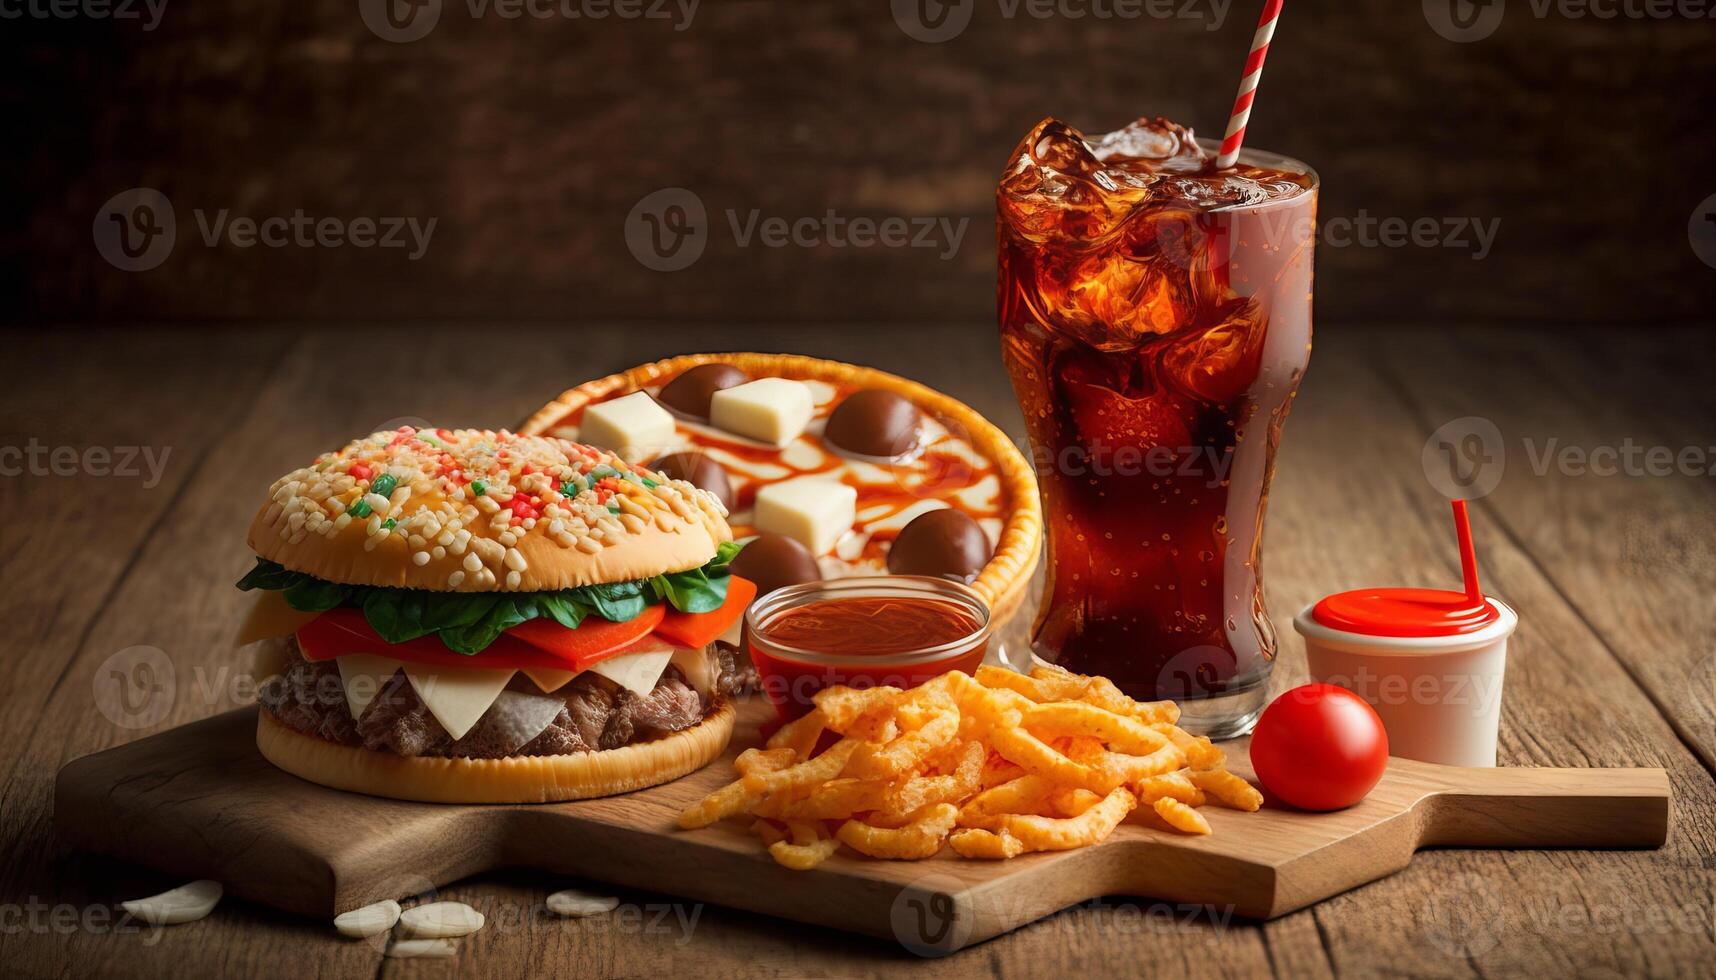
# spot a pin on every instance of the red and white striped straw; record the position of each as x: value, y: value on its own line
x: 1231, y: 142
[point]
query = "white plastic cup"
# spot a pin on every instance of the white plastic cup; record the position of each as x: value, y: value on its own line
x: 1439, y: 697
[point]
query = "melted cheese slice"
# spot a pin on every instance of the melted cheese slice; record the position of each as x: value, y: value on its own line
x: 457, y: 696
x: 272, y: 616
x: 697, y: 666
x: 547, y: 679
x: 640, y: 667
x: 735, y: 634
x: 364, y: 675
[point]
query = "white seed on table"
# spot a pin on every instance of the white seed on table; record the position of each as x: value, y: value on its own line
x: 417, y: 949
x: 371, y: 920
x: 187, y: 903
x: 575, y: 904
x: 440, y: 920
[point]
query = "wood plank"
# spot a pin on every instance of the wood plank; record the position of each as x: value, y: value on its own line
x: 81, y: 548
x: 1334, y: 524
x: 187, y: 390
x: 776, y: 109
x: 1631, y: 550
x: 1353, y: 508
x: 201, y: 801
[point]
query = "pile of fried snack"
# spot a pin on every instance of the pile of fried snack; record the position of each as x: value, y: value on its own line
x: 995, y: 765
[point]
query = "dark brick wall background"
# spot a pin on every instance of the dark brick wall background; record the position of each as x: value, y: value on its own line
x: 529, y: 141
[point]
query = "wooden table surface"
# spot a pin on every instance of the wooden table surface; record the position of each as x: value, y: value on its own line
x: 1613, y: 665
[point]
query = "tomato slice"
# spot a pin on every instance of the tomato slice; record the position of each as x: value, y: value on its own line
x: 698, y: 630
x: 539, y: 643
x: 594, y: 638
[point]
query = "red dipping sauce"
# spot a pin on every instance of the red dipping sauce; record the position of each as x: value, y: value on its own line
x: 894, y: 630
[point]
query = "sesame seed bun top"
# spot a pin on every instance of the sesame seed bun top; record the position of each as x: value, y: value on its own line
x: 470, y: 510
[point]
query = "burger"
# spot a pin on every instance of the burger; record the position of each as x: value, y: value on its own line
x: 475, y: 616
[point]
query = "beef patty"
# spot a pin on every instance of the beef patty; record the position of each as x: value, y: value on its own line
x: 589, y: 714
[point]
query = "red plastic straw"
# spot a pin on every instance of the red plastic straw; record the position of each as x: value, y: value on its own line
x: 1468, y: 553
x: 1235, y: 137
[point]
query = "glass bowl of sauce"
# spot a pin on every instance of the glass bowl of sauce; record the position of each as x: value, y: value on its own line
x: 895, y: 630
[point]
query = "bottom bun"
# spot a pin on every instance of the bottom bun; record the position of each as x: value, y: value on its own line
x: 522, y: 779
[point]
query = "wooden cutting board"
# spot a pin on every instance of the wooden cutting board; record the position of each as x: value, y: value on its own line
x: 200, y: 802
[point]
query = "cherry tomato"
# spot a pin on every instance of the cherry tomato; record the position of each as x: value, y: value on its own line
x: 1319, y: 747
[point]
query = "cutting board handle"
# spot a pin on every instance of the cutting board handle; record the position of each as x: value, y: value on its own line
x: 1511, y: 807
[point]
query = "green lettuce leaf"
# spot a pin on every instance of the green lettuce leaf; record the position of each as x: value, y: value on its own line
x: 467, y: 622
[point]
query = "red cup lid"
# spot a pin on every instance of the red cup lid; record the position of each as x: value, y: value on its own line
x: 1404, y: 612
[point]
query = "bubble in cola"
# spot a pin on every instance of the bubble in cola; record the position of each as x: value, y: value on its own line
x: 1155, y: 319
